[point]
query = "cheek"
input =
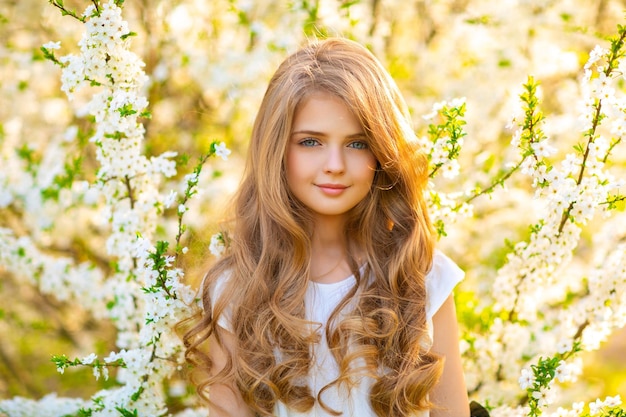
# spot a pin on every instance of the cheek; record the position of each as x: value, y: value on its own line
x: 293, y: 167
x: 370, y: 171
x: 290, y: 159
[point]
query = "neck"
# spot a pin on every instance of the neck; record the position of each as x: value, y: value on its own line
x: 329, y: 261
x: 328, y: 232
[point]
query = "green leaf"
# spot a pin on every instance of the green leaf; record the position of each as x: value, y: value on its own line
x: 128, y: 35
x: 136, y: 395
x: 126, y: 110
x: 126, y: 413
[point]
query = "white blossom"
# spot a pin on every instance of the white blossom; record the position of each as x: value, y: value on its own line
x: 222, y: 151
x: 170, y: 199
x: 88, y: 360
x: 52, y: 45
x: 544, y: 397
x: 527, y: 379
x: 613, y: 401
x: 216, y: 246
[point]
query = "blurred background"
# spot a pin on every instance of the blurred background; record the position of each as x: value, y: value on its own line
x: 209, y: 62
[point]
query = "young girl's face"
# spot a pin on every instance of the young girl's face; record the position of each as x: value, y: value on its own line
x: 330, y: 167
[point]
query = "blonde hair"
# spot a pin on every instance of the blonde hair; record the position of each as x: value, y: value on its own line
x: 267, y: 258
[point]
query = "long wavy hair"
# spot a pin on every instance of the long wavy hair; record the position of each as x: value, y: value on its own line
x: 269, y: 247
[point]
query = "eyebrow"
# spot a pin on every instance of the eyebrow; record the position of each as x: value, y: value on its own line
x: 359, y: 135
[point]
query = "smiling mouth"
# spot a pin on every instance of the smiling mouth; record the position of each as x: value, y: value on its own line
x: 333, y: 186
x: 332, y: 189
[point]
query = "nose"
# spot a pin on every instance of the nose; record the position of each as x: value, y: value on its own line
x: 335, y: 162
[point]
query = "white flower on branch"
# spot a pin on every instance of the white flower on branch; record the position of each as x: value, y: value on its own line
x: 595, y: 55
x: 542, y: 149
x: 170, y: 199
x: 544, y: 397
x: 613, y: 401
x: 222, y: 151
x: 216, y: 246
x: 52, y: 45
x: 73, y: 74
x: 527, y: 379
x: 88, y: 360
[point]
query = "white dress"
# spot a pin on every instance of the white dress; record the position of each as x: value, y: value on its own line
x: 321, y: 300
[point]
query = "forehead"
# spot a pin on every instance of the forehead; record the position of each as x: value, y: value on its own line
x: 324, y: 110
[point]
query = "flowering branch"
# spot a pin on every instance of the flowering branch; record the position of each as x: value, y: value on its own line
x: 128, y: 181
x: 446, y: 138
x: 538, y: 381
x: 442, y: 145
x: 191, y: 182
x: 616, y: 52
x: 528, y: 137
x: 59, y: 4
x: 62, y: 362
x: 527, y: 287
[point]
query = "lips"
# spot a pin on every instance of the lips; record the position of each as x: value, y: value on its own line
x: 332, y: 189
x: 333, y: 186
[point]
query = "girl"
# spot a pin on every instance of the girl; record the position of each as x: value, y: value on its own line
x: 331, y: 299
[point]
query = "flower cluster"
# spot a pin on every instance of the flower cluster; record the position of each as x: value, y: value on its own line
x: 48, y: 406
x: 532, y: 302
x: 609, y: 407
x: 80, y: 284
x: 144, y: 295
x: 104, y: 58
x: 216, y: 247
x: 539, y: 380
x: 442, y: 144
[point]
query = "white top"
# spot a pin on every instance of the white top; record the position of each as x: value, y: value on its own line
x: 320, y: 301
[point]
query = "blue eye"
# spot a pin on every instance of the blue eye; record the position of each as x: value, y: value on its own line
x: 359, y: 144
x: 309, y: 142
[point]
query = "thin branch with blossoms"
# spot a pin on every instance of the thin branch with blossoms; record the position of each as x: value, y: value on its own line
x: 442, y: 146
x: 59, y: 4
x: 145, y: 289
x: 62, y: 362
x: 526, y: 288
x: 148, y: 296
x: 445, y: 139
x: 616, y: 52
x: 542, y: 375
x: 444, y: 142
x: 191, y: 183
x: 526, y: 139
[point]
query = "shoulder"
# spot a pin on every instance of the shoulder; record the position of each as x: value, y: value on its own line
x: 443, y: 276
x: 215, y: 289
x: 217, y: 285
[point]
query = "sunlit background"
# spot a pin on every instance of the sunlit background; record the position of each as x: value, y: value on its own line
x: 208, y: 63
